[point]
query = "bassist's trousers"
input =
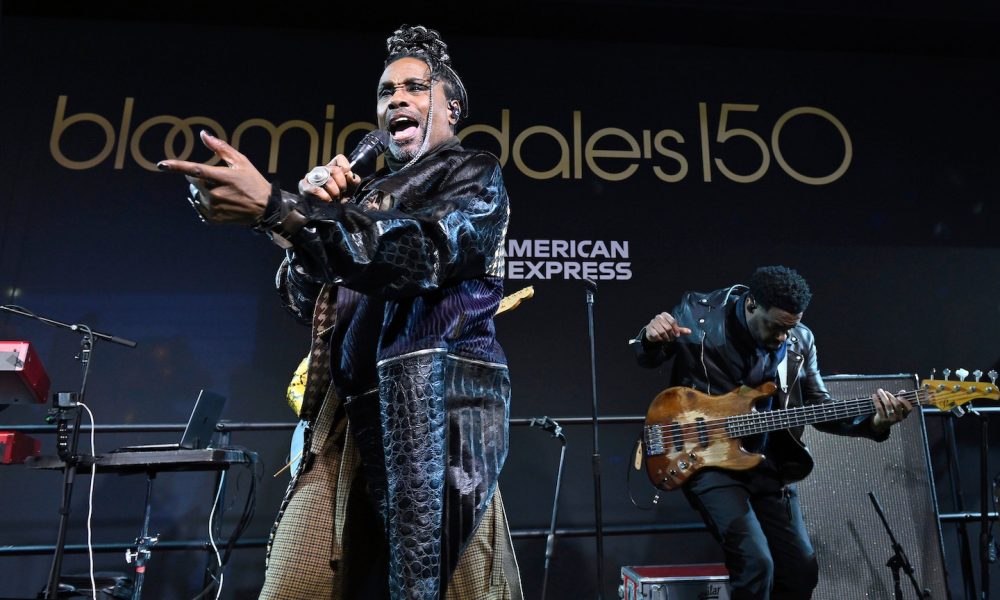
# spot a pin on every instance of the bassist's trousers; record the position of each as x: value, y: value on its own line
x: 758, y: 522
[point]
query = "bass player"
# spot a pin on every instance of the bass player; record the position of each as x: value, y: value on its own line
x: 752, y: 336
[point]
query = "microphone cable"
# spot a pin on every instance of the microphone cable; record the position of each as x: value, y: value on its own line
x: 90, y: 502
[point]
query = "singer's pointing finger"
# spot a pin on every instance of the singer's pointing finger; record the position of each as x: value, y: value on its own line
x: 230, y: 155
x: 206, y: 172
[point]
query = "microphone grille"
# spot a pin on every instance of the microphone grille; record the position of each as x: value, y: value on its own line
x: 378, y: 139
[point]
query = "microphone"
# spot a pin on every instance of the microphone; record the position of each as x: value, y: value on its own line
x: 369, y: 148
x: 365, y: 153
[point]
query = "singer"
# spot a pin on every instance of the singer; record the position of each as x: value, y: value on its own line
x: 399, y: 274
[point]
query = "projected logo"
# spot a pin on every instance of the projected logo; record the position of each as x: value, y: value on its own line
x: 568, y: 259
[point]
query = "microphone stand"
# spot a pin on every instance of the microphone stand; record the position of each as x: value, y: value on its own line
x: 591, y: 289
x: 555, y: 429
x: 64, y: 408
x: 898, y: 559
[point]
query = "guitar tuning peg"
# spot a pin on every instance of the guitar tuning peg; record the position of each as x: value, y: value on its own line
x: 946, y: 373
x: 977, y: 374
x: 961, y: 373
x: 933, y: 372
x: 993, y: 376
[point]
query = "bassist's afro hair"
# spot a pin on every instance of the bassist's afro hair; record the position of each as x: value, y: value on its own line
x: 780, y: 287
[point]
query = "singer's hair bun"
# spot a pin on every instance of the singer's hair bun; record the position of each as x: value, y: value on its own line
x: 417, y: 40
x: 426, y: 44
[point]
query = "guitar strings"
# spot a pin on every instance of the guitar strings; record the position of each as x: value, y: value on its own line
x: 745, y: 423
x: 750, y: 423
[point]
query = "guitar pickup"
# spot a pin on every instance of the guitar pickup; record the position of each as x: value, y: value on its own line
x: 678, y: 435
x: 702, y: 432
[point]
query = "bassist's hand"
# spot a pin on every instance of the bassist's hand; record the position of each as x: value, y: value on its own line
x: 889, y: 409
x: 664, y: 328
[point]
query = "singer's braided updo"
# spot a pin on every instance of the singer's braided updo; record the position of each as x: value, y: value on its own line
x: 419, y: 42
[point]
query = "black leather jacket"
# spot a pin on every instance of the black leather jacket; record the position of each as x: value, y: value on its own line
x: 708, y: 361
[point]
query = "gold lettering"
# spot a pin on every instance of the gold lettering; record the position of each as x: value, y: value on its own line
x: 502, y: 135
x: 577, y: 150
x: 811, y: 110
x: 591, y: 153
x: 60, y: 124
x: 356, y: 126
x: 573, y: 154
x: 726, y: 134
x: 706, y: 163
x: 123, y: 133
x: 328, y: 134
x: 561, y: 168
x: 188, y: 123
x: 681, y: 161
x: 177, y: 125
x: 276, y: 133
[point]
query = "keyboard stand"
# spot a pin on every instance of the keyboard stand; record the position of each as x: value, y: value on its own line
x: 149, y: 462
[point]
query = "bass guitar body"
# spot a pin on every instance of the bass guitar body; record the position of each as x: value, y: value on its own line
x: 687, y: 430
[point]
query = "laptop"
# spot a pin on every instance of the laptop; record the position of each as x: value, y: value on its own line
x: 200, y: 426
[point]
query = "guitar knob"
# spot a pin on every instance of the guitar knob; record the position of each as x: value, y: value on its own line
x: 672, y: 472
x: 682, y: 464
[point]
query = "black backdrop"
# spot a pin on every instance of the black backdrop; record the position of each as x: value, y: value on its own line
x: 899, y: 246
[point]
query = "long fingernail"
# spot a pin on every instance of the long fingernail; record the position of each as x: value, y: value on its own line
x: 162, y: 166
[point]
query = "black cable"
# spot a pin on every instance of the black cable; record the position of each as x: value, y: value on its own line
x: 628, y: 479
x: 249, y: 508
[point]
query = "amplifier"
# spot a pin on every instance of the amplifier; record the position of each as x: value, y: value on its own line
x: 707, y: 581
x: 22, y: 376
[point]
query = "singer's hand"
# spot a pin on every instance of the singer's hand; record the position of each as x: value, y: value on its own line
x: 664, y: 328
x: 339, y: 187
x: 235, y: 193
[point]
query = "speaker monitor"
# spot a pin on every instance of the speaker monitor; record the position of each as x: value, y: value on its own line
x: 851, y: 542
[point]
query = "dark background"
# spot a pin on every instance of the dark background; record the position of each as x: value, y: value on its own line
x: 901, y: 251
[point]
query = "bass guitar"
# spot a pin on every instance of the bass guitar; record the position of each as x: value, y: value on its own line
x: 686, y: 430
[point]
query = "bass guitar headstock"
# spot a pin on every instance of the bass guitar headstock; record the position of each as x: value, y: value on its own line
x: 953, y: 394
